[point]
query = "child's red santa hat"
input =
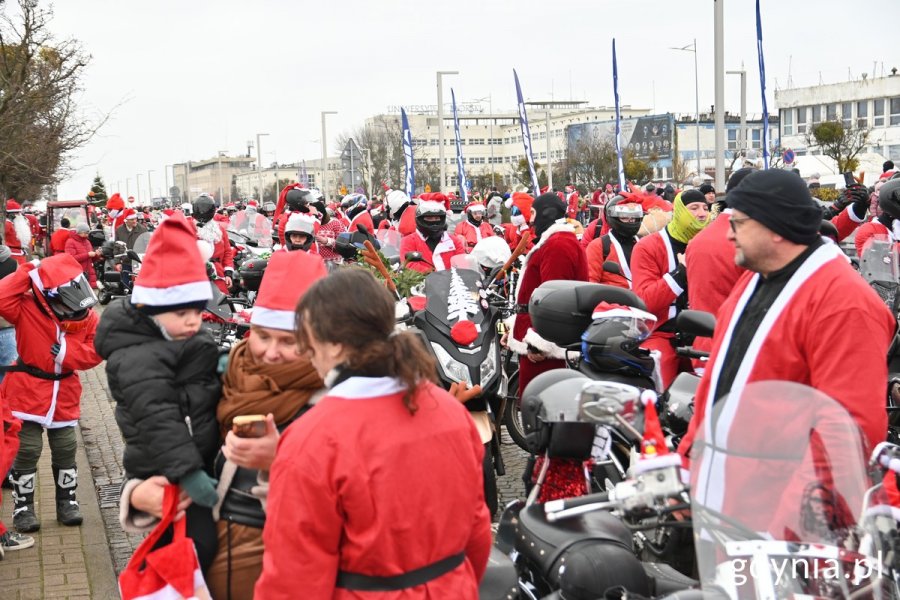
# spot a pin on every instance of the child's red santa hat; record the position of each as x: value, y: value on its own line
x: 475, y: 207
x: 287, y: 277
x: 173, y: 273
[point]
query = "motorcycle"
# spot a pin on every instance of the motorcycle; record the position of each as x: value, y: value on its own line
x: 459, y: 327
x: 113, y: 280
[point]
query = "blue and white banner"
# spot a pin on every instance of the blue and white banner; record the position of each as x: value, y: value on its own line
x: 526, y: 136
x: 618, y: 121
x: 762, y: 89
x: 408, y: 155
x: 463, y: 186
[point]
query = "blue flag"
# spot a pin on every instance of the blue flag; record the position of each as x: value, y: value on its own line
x: 408, y: 155
x: 463, y: 188
x: 762, y: 88
x: 526, y: 136
x: 618, y: 121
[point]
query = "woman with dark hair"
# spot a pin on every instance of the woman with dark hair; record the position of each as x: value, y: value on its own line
x: 380, y: 487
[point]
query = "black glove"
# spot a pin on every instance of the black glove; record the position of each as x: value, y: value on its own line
x: 54, y: 349
x: 680, y: 276
x: 857, y: 195
x: 499, y: 230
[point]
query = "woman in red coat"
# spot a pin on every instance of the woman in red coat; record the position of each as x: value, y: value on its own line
x: 81, y: 250
x: 383, y: 478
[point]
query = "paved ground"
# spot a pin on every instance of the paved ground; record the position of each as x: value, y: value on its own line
x: 82, y: 562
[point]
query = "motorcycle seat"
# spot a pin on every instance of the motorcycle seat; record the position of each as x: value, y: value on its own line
x: 500, y: 579
x: 545, y: 543
x: 666, y: 580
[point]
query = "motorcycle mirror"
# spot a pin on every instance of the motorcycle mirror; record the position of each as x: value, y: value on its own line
x: 133, y: 256
x: 612, y: 267
x: 413, y: 257
x: 608, y: 403
x: 695, y: 322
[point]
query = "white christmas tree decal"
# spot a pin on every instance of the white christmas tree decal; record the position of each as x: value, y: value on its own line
x: 460, y: 302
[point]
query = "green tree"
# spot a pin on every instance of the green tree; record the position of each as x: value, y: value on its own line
x: 99, y: 188
x: 522, y: 174
x: 636, y: 170
x: 841, y: 144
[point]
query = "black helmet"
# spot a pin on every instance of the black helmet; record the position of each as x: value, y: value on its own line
x: 426, y: 211
x: 612, y: 341
x: 203, y: 209
x: 71, y: 301
x: 620, y: 208
x: 297, y: 200
x: 889, y: 198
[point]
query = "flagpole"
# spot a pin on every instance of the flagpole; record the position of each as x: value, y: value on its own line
x: 526, y: 136
x: 621, y: 165
x: 408, y: 155
x: 762, y: 88
x: 460, y: 161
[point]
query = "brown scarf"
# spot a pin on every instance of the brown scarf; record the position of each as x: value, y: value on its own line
x: 251, y: 388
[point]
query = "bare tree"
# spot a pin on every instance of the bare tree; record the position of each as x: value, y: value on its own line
x: 839, y: 143
x: 384, y: 160
x: 40, y: 124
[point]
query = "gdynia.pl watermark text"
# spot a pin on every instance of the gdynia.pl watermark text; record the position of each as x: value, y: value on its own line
x: 784, y: 570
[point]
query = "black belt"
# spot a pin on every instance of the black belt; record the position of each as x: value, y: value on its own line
x: 35, y: 372
x: 368, y: 583
x: 521, y: 309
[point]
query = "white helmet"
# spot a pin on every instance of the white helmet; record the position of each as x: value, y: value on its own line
x: 396, y: 200
x: 186, y: 208
x: 491, y: 252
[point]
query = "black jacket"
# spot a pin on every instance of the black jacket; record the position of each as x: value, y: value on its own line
x: 157, y: 385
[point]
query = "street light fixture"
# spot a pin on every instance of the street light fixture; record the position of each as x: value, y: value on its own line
x: 693, y: 48
x: 259, y: 186
x: 440, y: 108
x: 325, y: 152
x: 149, y: 187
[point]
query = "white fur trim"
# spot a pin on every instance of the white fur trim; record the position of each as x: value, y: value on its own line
x: 210, y: 232
x: 130, y: 519
x: 557, y: 227
x: 274, y: 319
x: 547, y: 347
x: 853, y: 216
x: 177, y: 294
x: 624, y: 312
x: 673, y: 285
x: 367, y: 387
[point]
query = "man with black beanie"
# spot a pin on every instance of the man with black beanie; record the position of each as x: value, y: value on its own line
x: 787, y: 319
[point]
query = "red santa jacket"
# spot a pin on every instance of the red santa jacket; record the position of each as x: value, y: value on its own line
x: 573, y: 200
x: 58, y: 240
x: 447, y: 248
x: 652, y: 259
x: 711, y: 270
x: 472, y: 234
x: 867, y: 231
x: 596, y: 258
x: 11, y: 239
x: 341, y: 493
x: 513, y: 234
x: 846, y: 222
x: 50, y: 403
x: 593, y: 230
x: 223, y: 219
x: 557, y: 255
x: 810, y: 335
x: 363, y: 218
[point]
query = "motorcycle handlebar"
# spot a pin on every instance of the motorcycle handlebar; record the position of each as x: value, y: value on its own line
x: 689, y: 352
x: 567, y: 503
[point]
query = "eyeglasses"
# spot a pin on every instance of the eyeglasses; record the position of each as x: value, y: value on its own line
x: 735, y: 221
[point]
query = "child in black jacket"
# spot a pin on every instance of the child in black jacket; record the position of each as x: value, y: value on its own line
x: 162, y: 373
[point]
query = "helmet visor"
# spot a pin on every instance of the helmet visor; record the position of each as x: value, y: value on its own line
x: 72, y: 300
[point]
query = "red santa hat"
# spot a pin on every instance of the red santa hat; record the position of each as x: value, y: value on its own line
x: 55, y: 271
x: 288, y: 276
x: 299, y: 222
x: 173, y: 274
x: 115, y: 202
x: 253, y: 203
x: 475, y: 207
x: 12, y: 206
x: 130, y: 214
x: 605, y: 310
x: 522, y: 201
x: 654, y: 450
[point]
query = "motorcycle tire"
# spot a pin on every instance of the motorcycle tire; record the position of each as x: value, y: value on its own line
x: 512, y: 415
x: 104, y: 297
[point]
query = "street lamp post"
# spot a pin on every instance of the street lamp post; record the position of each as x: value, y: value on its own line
x: 742, y: 135
x: 138, y: 186
x: 693, y: 48
x: 719, y: 76
x: 325, y: 152
x: 259, y: 186
x: 166, y: 192
x: 127, y: 187
x: 440, y: 110
x: 149, y: 187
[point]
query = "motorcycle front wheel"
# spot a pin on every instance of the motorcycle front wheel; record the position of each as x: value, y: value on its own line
x: 512, y: 415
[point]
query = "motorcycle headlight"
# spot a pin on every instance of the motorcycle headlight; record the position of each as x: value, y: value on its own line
x: 450, y: 367
x: 489, y: 366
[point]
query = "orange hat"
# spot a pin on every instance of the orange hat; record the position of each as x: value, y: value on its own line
x: 523, y: 202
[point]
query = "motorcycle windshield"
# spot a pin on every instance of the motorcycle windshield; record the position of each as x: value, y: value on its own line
x: 464, y: 262
x: 880, y: 267
x: 778, y: 483
x: 254, y: 226
x: 390, y: 242
x: 454, y: 295
x: 140, y: 244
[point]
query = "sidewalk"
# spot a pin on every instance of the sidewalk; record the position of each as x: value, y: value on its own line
x: 76, y: 562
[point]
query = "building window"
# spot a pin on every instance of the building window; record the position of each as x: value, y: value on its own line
x: 801, y: 120
x: 846, y: 117
x: 732, y: 139
x: 831, y: 112
x: 862, y: 114
x: 787, y: 121
x: 816, y: 114
x: 755, y: 138
x: 878, y: 113
x: 895, y: 111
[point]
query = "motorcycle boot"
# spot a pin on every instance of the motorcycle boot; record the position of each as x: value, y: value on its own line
x: 24, y: 518
x: 67, y: 511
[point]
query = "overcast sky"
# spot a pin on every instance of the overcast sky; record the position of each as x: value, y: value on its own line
x: 189, y: 78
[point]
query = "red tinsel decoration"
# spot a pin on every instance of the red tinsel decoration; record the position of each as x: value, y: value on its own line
x: 565, y: 479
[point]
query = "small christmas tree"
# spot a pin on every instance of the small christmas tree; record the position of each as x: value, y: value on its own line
x: 98, y: 189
